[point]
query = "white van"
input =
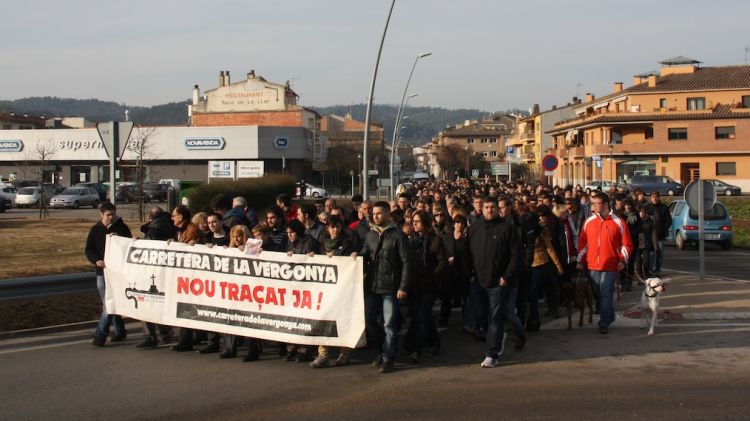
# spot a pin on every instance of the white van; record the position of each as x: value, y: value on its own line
x: 172, y: 182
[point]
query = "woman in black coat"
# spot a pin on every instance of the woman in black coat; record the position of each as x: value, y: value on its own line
x: 459, y: 268
x: 430, y: 277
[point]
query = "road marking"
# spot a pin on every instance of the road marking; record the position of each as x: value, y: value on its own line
x: 40, y: 347
x: 744, y: 281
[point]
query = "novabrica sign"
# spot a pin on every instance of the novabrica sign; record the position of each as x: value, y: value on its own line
x: 14, y: 145
x: 204, y: 143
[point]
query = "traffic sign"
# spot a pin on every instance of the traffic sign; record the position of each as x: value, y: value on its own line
x: 475, y: 173
x: 693, y: 197
x: 549, y: 162
x: 500, y: 168
x: 115, y: 136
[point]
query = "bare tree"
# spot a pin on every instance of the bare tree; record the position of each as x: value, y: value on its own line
x: 42, y: 154
x: 141, y: 144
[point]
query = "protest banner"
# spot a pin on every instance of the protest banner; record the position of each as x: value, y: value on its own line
x: 295, y: 299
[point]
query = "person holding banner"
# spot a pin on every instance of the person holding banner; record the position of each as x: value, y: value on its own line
x: 388, y: 272
x: 109, y: 223
x: 337, y: 244
x: 238, y: 236
x: 299, y: 243
x: 187, y: 233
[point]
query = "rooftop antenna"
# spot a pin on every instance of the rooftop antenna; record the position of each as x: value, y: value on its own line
x: 578, y: 88
x: 747, y: 50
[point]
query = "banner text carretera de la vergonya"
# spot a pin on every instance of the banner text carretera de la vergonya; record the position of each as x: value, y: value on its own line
x: 251, y: 266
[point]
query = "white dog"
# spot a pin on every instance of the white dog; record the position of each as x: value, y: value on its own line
x: 650, y: 301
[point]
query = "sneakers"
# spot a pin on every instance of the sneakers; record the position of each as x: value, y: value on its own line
x: 603, y: 330
x: 119, y: 337
x: 321, y: 361
x: 378, y: 361
x: 98, y: 341
x: 387, y: 367
x: 148, y: 342
x: 489, y: 362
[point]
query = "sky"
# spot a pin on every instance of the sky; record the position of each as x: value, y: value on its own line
x: 489, y: 55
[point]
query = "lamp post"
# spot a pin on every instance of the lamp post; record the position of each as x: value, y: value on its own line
x: 369, y: 104
x: 359, y: 169
x: 399, y: 113
x: 397, y: 140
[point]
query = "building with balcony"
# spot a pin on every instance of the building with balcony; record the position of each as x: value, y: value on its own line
x: 685, y: 122
x: 486, y: 137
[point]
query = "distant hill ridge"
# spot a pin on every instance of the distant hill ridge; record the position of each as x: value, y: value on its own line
x: 422, y: 124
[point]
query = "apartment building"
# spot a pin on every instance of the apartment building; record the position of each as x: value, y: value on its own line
x: 684, y: 121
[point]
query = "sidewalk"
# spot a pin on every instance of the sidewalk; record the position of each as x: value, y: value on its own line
x: 686, y: 298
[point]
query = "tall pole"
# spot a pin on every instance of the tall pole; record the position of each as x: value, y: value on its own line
x: 369, y: 105
x: 400, y: 115
x: 397, y: 140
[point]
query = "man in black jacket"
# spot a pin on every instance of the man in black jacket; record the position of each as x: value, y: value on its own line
x: 109, y: 223
x: 495, y: 262
x: 160, y: 228
x: 388, y: 272
x: 662, y: 221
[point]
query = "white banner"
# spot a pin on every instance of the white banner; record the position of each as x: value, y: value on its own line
x: 295, y: 299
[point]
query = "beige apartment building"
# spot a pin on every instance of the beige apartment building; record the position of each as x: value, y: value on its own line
x: 486, y: 137
x: 685, y: 122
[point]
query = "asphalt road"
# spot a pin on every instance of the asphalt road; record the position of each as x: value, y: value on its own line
x: 691, y: 369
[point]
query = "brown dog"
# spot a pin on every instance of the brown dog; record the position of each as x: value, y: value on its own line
x: 580, y: 294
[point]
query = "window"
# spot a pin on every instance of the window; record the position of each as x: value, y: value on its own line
x: 485, y: 154
x: 726, y: 168
x: 663, y: 103
x: 649, y: 133
x: 696, y: 103
x: 493, y: 140
x: 616, y: 137
x: 746, y: 101
x: 678, y: 134
x: 726, y: 132
x: 469, y: 140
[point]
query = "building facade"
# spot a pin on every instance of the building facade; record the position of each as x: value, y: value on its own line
x: 683, y: 122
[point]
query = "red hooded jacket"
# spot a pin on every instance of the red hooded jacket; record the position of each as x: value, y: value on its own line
x: 604, y: 242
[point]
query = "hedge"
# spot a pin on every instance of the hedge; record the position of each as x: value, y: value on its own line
x: 260, y: 192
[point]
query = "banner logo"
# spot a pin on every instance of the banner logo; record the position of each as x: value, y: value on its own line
x: 204, y: 143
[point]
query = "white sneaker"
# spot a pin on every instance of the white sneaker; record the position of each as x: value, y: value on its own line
x: 489, y: 362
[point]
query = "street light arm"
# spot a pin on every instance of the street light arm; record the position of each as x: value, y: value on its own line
x: 369, y: 104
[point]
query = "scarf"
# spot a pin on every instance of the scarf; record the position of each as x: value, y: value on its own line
x: 332, y: 244
x: 380, y: 230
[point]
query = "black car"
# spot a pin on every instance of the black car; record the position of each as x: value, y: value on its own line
x: 99, y: 187
x: 156, y: 191
x: 5, y: 203
x: 130, y: 193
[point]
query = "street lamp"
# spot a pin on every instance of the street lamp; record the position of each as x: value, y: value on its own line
x: 399, y: 113
x: 369, y: 102
x: 359, y: 169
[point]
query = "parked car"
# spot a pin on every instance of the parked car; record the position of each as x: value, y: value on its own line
x: 5, y: 204
x: 100, y: 188
x: 717, y: 225
x: 598, y: 185
x: 25, y: 183
x: 75, y: 197
x: 30, y: 196
x: 659, y: 183
x: 724, y: 188
x: 9, y: 192
x: 130, y: 193
x: 312, y: 191
x: 157, y: 191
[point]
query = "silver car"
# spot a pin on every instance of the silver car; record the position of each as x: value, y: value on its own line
x: 75, y: 197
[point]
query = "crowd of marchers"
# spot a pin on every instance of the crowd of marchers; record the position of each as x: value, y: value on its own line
x: 488, y: 251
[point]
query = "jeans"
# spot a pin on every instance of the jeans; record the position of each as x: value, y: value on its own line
x: 605, y: 281
x: 476, y: 307
x: 502, y: 307
x: 102, y: 328
x: 384, y: 335
x: 657, y: 256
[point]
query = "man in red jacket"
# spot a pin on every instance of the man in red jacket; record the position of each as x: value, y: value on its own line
x: 605, y: 246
